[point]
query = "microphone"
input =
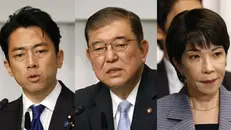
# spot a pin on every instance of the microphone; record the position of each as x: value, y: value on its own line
x: 3, y: 103
x: 104, y: 124
x: 70, y: 118
x: 154, y: 97
x: 27, y: 122
x: 79, y: 110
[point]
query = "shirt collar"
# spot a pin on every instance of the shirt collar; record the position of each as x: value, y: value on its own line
x: 49, y: 102
x: 131, y: 98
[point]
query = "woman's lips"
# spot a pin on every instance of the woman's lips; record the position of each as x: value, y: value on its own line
x: 209, y: 81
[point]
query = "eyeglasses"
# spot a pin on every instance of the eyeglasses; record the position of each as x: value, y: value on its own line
x: 118, y: 44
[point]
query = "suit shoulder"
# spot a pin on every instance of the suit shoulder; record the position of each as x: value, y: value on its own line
x: 85, y: 95
x: 150, y: 75
x: 150, y: 70
x: 154, y: 72
x: 228, y: 73
x: 88, y: 90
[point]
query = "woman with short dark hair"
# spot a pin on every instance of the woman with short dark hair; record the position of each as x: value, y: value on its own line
x: 197, y: 46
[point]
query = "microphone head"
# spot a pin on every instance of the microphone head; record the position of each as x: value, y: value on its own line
x: 80, y: 110
x: 3, y: 103
x: 70, y: 118
x: 27, y: 123
x: 104, y: 124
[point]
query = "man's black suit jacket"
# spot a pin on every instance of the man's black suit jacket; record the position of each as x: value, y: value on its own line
x: 11, y: 115
x: 162, y: 82
x: 98, y: 113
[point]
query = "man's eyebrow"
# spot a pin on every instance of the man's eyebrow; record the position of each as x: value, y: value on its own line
x: 18, y: 49
x: 35, y: 46
x: 40, y: 44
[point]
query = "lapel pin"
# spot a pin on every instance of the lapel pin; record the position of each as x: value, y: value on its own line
x: 149, y: 110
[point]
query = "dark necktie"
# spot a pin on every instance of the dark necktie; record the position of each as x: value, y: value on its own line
x: 36, y: 123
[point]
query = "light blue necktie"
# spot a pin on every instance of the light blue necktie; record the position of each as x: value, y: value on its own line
x: 36, y: 123
x: 124, y: 122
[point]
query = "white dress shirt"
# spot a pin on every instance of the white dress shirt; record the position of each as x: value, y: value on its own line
x: 49, y: 103
x: 116, y: 101
x: 174, y: 83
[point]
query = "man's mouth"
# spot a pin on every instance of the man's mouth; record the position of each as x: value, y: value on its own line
x: 34, y: 78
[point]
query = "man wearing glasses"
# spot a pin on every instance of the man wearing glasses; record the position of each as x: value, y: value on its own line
x: 124, y: 98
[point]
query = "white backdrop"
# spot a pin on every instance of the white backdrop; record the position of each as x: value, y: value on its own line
x: 61, y: 10
x: 145, y: 9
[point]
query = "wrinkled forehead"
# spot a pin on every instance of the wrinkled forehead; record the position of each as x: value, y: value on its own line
x: 100, y: 23
x: 107, y: 32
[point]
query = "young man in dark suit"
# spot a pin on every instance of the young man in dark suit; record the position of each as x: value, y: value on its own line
x: 30, y: 41
x: 168, y: 81
x: 125, y: 97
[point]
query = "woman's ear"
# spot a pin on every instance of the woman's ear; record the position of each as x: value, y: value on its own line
x: 178, y: 65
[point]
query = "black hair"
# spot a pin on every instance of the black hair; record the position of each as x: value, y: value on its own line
x: 198, y: 27
x: 27, y: 17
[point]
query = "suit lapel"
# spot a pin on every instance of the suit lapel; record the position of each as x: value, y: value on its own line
x: 162, y: 84
x: 146, y: 98
x: 19, y: 119
x: 144, y: 101
x: 103, y: 105
x: 225, y: 109
x: 181, y: 113
x: 64, y: 106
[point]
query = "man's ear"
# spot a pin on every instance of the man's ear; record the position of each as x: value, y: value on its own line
x: 8, y: 67
x: 60, y: 57
x: 144, y: 49
x: 88, y: 54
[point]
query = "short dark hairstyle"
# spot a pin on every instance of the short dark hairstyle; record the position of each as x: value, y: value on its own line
x: 27, y: 17
x: 198, y: 27
x: 107, y: 15
x: 164, y: 7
